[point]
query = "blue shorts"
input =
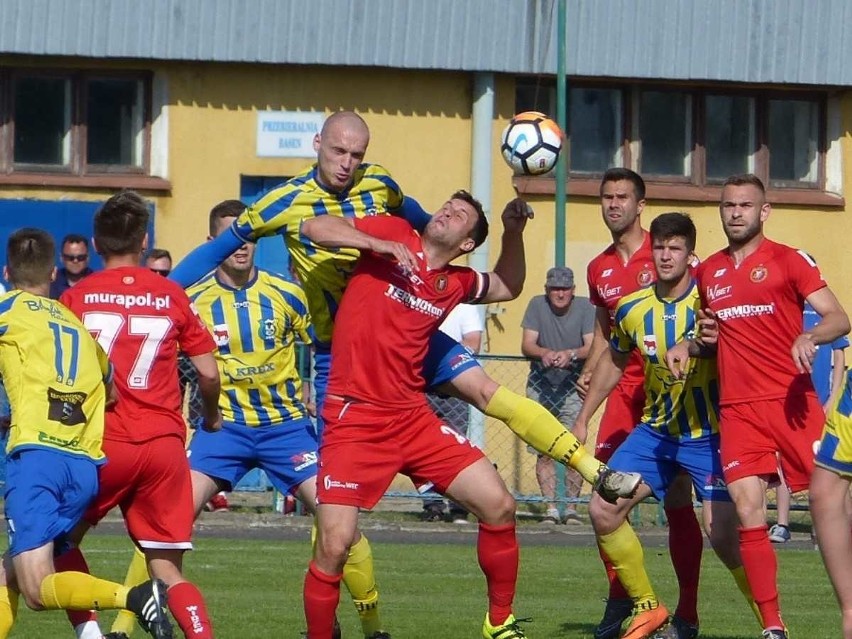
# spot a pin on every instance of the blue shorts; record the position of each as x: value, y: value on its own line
x: 660, y: 458
x: 287, y: 453
x: 445, y: 360
x: 47, y: 493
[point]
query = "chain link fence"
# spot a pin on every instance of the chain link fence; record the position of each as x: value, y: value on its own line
x: 514, y: 460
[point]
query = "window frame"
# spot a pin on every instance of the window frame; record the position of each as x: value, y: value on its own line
x: 697, y: 187
x: 78, y: 172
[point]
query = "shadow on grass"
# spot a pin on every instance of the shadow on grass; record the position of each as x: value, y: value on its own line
x: 577, y: 629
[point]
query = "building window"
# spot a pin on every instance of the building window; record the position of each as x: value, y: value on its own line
x: 42, y: 120
x: 664, y: 133
x: 729, y: 138
x: 73, y: 127
x: 115, y: 122
x: 690, y: 136
x: 793, y: 142
x: 595, y: 117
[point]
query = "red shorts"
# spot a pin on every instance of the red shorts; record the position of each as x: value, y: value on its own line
x: 756, y: 434
x: 150, y: 482
x: 623, y: 412
x: 364, y: 446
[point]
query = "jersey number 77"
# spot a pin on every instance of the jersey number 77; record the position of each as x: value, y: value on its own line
x: 106, y: 327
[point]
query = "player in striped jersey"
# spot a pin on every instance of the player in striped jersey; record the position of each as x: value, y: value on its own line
x: 55, y: 375
x: 622, y: 268
x: 341, y: 185
x: 679, y: 429
x: 828, y: 497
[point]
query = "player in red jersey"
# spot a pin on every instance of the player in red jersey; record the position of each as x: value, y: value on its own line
x: 141, y: 320
x: 625, y: 266
x: 377, y: 419
x: 755, y: 291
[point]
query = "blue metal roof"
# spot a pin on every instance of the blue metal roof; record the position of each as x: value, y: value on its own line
x: 758, y: 41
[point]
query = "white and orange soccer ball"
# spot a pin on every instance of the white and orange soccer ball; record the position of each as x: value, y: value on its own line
x: 531, y: 143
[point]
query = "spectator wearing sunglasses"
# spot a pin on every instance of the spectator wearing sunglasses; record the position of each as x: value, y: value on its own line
x: 159, y: 261
x: 75, y: 264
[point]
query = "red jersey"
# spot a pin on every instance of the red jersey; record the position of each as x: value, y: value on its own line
x: 759, y: 308
x: 141, y: 319
x: 386, y: 318
x: 610, y: 279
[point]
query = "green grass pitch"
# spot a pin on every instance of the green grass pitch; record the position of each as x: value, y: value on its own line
x: 253, y: 589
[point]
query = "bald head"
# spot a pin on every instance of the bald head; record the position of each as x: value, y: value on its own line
x: 341, y: 146
x: 345, y: 121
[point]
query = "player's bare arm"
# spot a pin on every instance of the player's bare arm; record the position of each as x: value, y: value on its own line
x: 605, y: 378
x: 510, y: 271
x: 834, y: 323
x: 703, y: 344
x: 707, y: 333
x: 209, y: 387
x: 600, y: 343
x: 338, y: 232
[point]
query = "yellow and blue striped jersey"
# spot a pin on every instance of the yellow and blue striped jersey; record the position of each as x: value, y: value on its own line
x: 53, y: 371
x: 322, y: 271
x: 843, y: 404
x: 684, y: 409
x: 255, y: 328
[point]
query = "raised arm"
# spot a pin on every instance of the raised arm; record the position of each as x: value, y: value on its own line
x: 507, y: 279
x: 340, y: 232
x: 206, y: 258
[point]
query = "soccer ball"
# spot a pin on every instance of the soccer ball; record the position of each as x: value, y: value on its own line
x: 531, y: 143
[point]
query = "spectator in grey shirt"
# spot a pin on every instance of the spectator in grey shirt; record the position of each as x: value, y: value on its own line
x: 558, y: 330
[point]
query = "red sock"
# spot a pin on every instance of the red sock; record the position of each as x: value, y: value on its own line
x: 761, y: 569
x: 616, y: 590
x: 686, y: 543
x: 188, y: 609
x: 73, y: 560
x: 497, y: 550
x: 321, y: 596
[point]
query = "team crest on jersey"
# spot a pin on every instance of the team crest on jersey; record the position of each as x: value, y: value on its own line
x: 441, y: 283
x: 371, y: 212
x: 221, y: 335
x: 650, y: 344
x: 645, y: 277
x: 758, y: 274
x: 267, y: 328
x: 128, y: 279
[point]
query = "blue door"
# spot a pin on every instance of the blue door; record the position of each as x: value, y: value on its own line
x: 271, y: 252
x: 59, y: 218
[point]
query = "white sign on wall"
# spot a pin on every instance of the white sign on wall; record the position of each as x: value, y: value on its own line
x: 287, y: 134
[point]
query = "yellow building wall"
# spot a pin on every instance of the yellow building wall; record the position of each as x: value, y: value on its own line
x: 420, y: 123
x: 421, y: 132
